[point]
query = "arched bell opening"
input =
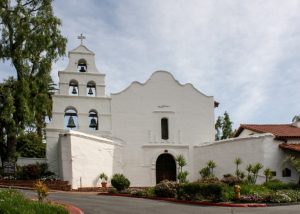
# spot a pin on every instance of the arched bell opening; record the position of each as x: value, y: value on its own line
x: 82, y: 65
x: 73, y: 88
x: 91, y: 89
x: 71, y: 118
x: 165, y: 168
x: 93, y: 120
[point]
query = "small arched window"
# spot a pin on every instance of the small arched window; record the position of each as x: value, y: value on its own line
x: 286, y: 172
x: 91, y: 89
x: 93, y: 120
x: 164, y: 129
x: 73, y: 88
x: 70, y: 118
x: 82, y: 65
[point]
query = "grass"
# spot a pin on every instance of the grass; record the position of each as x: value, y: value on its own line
x: 13, y: 202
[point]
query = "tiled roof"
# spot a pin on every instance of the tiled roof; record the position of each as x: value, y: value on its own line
x: 292, y: 147
x: 281, y: 131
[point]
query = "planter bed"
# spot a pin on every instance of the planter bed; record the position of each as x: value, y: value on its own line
x: 54, y: 185
x: 201, y: 203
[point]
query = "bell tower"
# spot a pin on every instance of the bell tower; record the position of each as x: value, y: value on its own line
x: 80, y: 103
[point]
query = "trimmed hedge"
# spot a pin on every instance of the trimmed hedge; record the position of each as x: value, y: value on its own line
x: 194, y: 191
x: 279, y: 185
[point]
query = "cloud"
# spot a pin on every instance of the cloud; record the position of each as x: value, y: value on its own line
x: 245, y: 53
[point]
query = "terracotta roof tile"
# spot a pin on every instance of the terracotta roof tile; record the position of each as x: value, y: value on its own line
x: 281, y: 131
x: 292, y: 147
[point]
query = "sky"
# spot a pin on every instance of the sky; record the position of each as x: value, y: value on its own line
x: 244, y: 53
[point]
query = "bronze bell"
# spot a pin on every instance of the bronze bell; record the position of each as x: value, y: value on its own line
x: 82, y: 69
x: 93, y: 123
x: 71, y: 123
x: 74, y: 90
x: 90, y: 91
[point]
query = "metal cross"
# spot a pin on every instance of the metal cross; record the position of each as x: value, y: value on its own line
x: 81, y: 37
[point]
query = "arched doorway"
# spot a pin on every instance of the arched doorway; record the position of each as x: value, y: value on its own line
x: 165, y: 168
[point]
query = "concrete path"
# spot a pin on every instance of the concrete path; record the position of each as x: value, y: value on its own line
x: 91, y: 203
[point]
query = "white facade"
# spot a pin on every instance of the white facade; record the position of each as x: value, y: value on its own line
x: 136, y: 127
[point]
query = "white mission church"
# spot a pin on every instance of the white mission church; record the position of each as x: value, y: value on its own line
x: 140, y: 130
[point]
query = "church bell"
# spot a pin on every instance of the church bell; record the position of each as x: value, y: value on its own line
x: 74, y: 90
x: 90, y: 91
x: 71, y: 123
x: 93, y: 123
x: 82, y: 69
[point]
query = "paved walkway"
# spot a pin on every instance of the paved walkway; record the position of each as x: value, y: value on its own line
x: 91, y: 203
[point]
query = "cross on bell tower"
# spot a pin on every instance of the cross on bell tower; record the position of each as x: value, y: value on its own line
x: 81, y: 37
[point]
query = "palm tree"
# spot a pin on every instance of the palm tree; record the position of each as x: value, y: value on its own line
x: 211, y: 164
x: 255, y: 170
x: 181, y: 161
x: 268, y: 174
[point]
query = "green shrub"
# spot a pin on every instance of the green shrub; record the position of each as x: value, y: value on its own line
x: 30, y: 145
x: 250, y: 189
x: 112, y: 190
x: 33, y: 171
x: 120, y: 182
x: 149, y: 192
x: 279, y: 185
x: 14, y: 202
x: 136, y: 192
x: 209, y: 180
x: 230, y: 180
x: 165, y: 189
x: 194, y: 191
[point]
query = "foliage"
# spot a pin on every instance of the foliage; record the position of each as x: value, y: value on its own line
x: 30, y: 41
x: 279, y: 185
x: 120, y: 182
x: 205, y: 172
x: 223, y: 127
x: 165, y: 189
x: 14, y: 202
x: 182, y: 175
x: 280, y: 197
x: 194, y: 191
x: 295, y: 162
x: 103, y: 177
x: 253, y: 171
x: 112, y: 190
x: 250, y: 189
x: 230, y: 180
x: 208, y: 170
x: 268, y: 174
x: 33, y: 171
x: 296, y: 118
x: 149, y: 192
x: 31, y: 145
x: 41, y: 189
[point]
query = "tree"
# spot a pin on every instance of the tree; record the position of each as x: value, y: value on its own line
x: 31, y: 41
x: 295, y: 162
x: 268, y: 174
x: 182, y: 174
x: 296, y: 118
x: 223, y: 127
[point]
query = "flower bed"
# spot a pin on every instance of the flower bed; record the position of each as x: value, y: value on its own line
x: 216, y: 193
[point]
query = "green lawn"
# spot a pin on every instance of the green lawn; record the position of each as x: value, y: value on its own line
x: 13, y: 202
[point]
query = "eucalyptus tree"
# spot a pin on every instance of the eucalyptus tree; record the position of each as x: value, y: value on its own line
x: 31, y: 41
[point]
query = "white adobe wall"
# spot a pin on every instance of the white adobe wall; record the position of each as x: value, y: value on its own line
x: 84, y: 157
x: 252, y: 149
x: 247, y: 133
x: 136, y: 119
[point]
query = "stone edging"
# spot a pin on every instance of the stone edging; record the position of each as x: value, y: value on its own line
x: 200, y: 203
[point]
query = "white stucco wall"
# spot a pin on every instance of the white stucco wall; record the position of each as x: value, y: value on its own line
x: 84, y: 157
x: 252, y: 149
x: 136, y: 119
